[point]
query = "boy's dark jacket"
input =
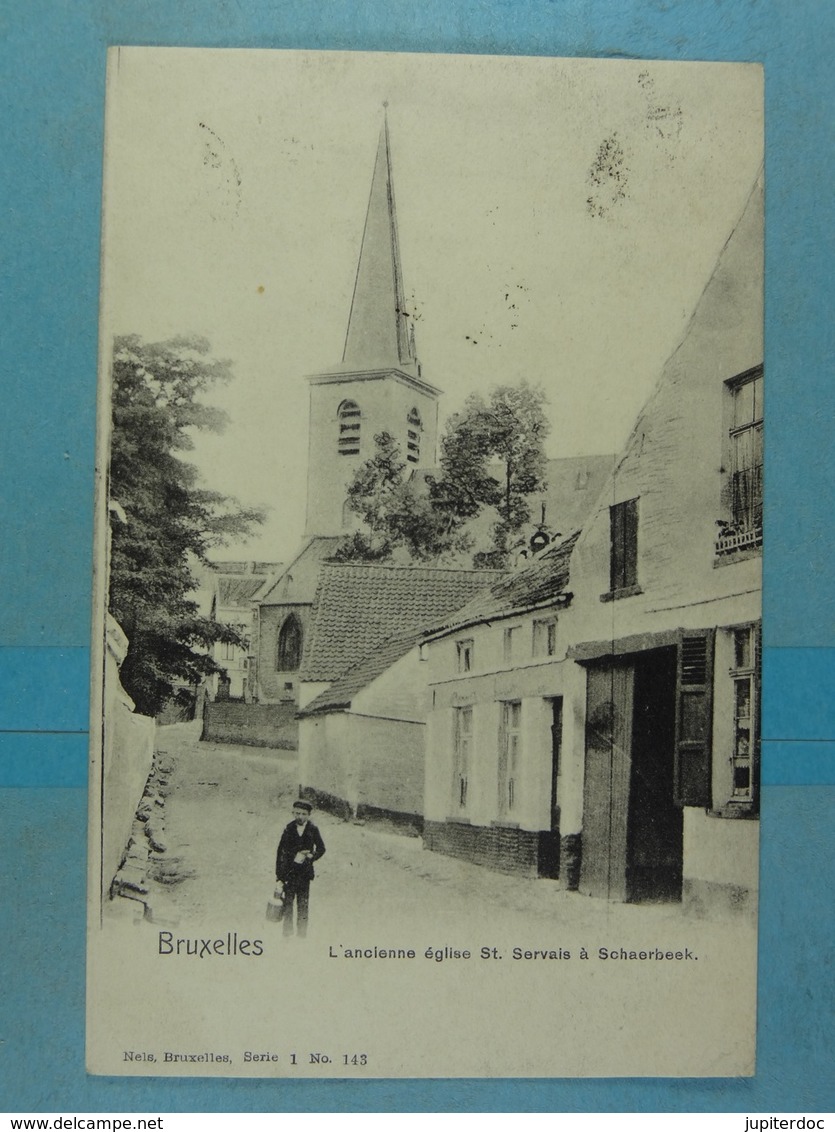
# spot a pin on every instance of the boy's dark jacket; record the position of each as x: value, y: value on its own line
x: 290, y: 844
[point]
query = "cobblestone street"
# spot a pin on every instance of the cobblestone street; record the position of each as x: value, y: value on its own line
x: 225, y: 811
x: 399, y: 966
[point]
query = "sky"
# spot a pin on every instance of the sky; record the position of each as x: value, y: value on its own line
x: 558, y: 221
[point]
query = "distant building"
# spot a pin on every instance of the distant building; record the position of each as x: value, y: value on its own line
x: 233, y: 588
x: 281, y: 623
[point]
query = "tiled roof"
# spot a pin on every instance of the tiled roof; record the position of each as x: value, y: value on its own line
x: 538, y: 584
x: 239, y: 589
x: 296, y: 584
x: 359, y: 606
x: 342, y: 691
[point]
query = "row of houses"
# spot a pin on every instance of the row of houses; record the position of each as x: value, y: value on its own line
x: 595, y: 716
x: 592, y: 715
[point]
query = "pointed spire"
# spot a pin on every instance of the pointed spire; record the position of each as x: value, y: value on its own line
x: 378, y: 330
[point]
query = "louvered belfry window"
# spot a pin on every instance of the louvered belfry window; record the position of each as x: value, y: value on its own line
x: 413, y: 430
x: 350, y: 428
x: 694, y: 719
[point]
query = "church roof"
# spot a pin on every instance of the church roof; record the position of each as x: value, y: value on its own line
x: 360, y: 606
x: 540, y: 584
x: 378, y: 328
x: 296, y: 584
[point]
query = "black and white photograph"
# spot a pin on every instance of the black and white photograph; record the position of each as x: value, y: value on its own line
x: 426, y: 678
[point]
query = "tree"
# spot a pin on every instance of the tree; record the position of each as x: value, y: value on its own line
x: 171, y: 522
x: 396, y: 515
x: 492, y: 456
x: 510, y: 428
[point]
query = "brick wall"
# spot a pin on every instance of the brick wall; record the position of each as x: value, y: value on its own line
x: 497, y: 847
x: 571, y: 858
x: 252, y: 725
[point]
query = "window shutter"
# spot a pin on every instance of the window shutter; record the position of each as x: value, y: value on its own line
x: 694, y: 719
x: 623, y: 519
x: 616, y: 574
x: 630, y: 543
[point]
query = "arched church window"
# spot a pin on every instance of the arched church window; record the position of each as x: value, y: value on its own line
x: 289, y: 656
x: 414, y: 428
x: 349, y: 417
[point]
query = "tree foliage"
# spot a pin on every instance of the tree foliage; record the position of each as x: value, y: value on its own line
x: 395, y: 514
x: 509, y: 429
x: 492, y: 456
x: 171, y: 521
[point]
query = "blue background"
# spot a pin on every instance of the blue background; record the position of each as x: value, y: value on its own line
x: 52, y: 57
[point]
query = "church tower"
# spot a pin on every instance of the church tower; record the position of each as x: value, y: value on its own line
x: 378, y: 386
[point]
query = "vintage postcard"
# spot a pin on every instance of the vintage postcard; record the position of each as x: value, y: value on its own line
x: 426, y: 679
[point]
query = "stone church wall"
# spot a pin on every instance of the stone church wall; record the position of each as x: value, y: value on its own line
x: 272, y: 684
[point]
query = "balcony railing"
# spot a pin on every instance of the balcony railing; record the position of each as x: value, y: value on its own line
x: 730, y: 541
x: 745, y: 530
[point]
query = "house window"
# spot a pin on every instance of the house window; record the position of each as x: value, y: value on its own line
x: 289, y: 645
x: 623, y: 562
x: 510, y: 636
x: 746, y: 464
x: 414, y: 426
x: 509, y: 754
x: 349, y: 417
x: 745, y: 740
x: 227, y: 651
x: 545, y: 637
x: 465, y: 655
x: 463, y: 752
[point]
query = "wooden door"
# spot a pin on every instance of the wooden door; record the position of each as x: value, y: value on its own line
x: 609, y: 693
x: 655, y: 821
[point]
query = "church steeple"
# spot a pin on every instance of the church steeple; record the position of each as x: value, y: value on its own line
x: 378, y: 327
x: 378, y: 386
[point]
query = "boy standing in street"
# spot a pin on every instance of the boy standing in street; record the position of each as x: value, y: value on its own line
x: 301, y: 844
